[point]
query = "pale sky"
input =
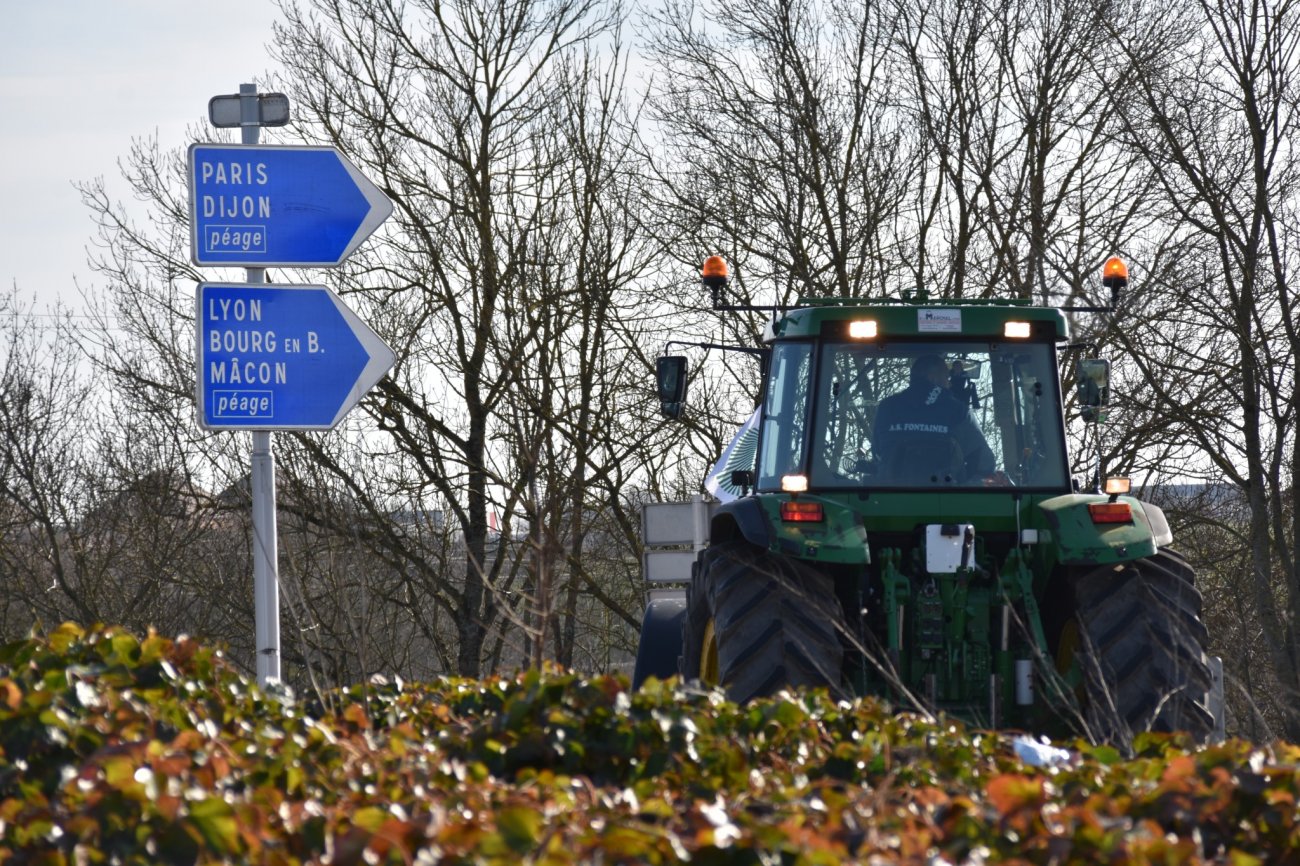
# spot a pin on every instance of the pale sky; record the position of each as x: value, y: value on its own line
x: 79, y: 79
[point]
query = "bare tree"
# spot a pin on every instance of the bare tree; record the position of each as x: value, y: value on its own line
x: 44, y: 467
x: 491, y: 128
x: 1023, y: 190
x: 1216, y: 125
x: 779, y: 148
x: 102, y: 521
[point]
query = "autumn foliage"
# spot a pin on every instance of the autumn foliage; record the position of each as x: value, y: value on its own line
x: 120, y: 749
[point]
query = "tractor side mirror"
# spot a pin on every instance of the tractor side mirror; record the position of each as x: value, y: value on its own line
x: 1094, y: 387
x: 670, y: 376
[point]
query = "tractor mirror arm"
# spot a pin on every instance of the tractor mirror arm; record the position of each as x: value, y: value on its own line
x: 760, y: 353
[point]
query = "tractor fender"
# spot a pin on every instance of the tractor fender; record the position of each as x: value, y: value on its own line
x: 1160, y: 530
x: 741, y: 518
x: 839, y: 537
x: 1080, y: 541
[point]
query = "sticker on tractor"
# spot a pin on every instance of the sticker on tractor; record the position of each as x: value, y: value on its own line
x: 942, y: 321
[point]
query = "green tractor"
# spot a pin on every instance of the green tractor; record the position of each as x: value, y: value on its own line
x: 908, y: 528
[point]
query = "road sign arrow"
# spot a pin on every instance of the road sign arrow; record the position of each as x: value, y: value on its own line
x: 282, y: 206
x: 281, y: 357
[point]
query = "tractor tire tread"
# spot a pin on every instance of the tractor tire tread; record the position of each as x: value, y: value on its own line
x: 1143, y: 648
x: 776, y: 622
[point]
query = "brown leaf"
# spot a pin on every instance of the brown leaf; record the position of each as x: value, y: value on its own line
x: 11, y: 694
x: 1012, y: 792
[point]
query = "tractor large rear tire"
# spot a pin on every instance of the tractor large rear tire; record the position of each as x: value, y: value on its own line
x: 1142, y: 649
x: 757, y: 622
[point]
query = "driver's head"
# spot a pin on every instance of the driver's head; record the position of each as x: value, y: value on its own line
x: 929, y: 370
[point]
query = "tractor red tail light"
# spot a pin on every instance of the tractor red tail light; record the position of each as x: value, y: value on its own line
x: 802, y: 512
x: 1110, y: 512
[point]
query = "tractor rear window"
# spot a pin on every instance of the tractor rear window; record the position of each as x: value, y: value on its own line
x: 954, y: 414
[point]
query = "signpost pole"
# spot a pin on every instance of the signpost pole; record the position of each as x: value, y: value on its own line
x: 266, y: 567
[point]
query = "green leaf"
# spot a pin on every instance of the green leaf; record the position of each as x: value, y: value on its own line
x: 153, y: 648
x: 65, y: 636
x: 371, y: 818
x: 520, y: 827
x: 215, y: 820
x: 1107, y: 756
x: 119, y: 772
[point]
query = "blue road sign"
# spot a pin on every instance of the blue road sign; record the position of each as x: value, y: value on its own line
x: 284, y: 206
x: 277, y: 357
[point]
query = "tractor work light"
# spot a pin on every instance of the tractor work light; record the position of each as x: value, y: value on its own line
x: 1110, y: 512
x: 794, y: 483
x: 863, y: 329
x: 1016, y: 330
x: 1117, y: 486
x: 802, y: 512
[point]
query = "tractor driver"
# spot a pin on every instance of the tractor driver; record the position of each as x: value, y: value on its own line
x: 924, y: 432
